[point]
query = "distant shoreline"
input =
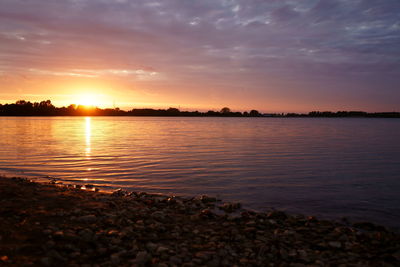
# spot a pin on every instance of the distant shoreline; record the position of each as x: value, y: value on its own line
x: 46, y: 108
x: 379, y: 116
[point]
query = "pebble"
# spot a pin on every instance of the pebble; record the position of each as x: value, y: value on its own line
x: 151, y: 246
x: 87, y: 218
x: 277, y: 215
x: 55, y: 255
x: 396, y: 255
x: 47, y: 231
x: 86, y: 234
x: 142, y: 257
x: 207, y: 199
x: 204, y: 255
x: 335, y: 244
x: 147, y: 230
x: 50, y: 244
x: 175, y: 260
x: 159, y: 215
x: 58, y: 234
x: 162, y: 249
x: 45, y: 261
x: 115, y: 259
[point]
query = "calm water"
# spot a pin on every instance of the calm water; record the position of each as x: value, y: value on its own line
x: 326, y: 167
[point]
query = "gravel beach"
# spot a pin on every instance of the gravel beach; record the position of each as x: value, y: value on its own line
x: 63, y: 225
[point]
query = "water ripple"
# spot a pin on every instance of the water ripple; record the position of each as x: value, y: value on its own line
x: 328, y: 167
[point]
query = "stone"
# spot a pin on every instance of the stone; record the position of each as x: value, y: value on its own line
x: 207, y: 199
x: 230, y: 207
x: 396, y: 255
x: 145, y: 231
x: 367, y: 226
x: 214, y: 263
x: 161, y: 250
x: 302, y: 254
x: 58, y: 234
x: 204, y: 255
x: 45, y: 261
x: 91, y: 218
x: 55, y: 255
x: 120, y: 193
x: 142, y: 257
x: 47, y: 231
x: 115, y: 259
x: 159, y: 215
x: 75, y: 254
x: 175, y: 260
x: 50, y: 244
x: 277, y: 215
x: 151, y: 246
x: 335, y: 244
x: 207, y: 213
x: 86, y: 235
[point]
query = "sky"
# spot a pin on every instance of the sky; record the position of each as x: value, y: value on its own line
x: 269, y: 55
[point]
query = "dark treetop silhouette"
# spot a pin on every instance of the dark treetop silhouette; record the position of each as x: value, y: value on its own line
x: 46, y: 108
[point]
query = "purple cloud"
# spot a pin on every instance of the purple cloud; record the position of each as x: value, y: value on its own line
x: 218, y: 44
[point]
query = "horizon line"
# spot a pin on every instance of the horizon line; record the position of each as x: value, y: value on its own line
x: 76, y: 106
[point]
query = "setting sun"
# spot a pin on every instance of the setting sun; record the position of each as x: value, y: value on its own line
x: 90, y: 99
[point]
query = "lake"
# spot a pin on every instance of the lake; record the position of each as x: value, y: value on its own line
x: 329, y: 167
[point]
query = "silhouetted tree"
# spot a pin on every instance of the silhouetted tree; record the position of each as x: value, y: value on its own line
x: 173, y: 112
x: 212, y: 113
x: 225, y: 110
x: 254, y: 113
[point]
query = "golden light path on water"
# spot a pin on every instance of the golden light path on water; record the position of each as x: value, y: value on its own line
x: 88, y: 135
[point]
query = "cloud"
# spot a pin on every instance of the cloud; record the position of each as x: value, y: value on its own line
x: 90, y: 73
x: 206, y: 41
x: 157, y: 31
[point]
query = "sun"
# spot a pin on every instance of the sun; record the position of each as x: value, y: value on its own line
x: 89, y: 100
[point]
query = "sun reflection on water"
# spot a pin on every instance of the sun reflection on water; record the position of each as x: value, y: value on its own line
x: 88, y: 134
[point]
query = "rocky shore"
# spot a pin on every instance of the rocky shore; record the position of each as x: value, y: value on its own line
x: 60, y: 225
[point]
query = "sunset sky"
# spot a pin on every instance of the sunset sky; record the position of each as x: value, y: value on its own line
x: 270, y: 55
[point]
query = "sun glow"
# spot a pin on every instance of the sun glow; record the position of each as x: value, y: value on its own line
x: 90, y: 100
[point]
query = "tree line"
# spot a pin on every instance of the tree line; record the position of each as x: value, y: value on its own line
x: 46, y: 108
x: 343, y: 114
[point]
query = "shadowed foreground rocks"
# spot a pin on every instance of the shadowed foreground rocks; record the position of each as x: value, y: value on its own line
x: 50, y: 225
